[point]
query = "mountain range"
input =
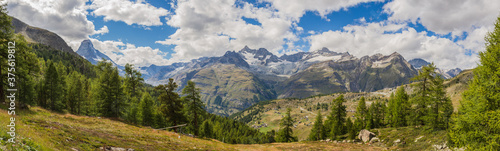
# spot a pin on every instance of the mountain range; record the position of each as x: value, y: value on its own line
x: 239, y: 79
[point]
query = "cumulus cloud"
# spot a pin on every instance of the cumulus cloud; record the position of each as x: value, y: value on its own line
x: 211, y: 27
x: 445, y: 17
x: 138, y: 12
x: 66, y: 18
x: 297, y: 8
x: 123, y: 53
x: 387, y: 37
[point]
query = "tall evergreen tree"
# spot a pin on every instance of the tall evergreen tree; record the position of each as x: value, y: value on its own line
x: 337, y: 117
x: 476, y: 126
x: 133, y: 81
x: 398, y: 109
x: 171, y: 105
x: 285, y: 134
x: 423, y: 90
x: 362, y: 111
x: 147, y: 107
x: 318, y: 131
x: 52, y: 89
x: 110, y: 93
x: 75, y: 92
x: 206, y: 129
x: 351, y: 129
x: 194, y: 106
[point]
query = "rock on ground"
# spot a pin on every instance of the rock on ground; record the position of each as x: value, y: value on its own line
x: 366, y: 135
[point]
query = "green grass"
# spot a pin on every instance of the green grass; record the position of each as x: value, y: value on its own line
x: 43, y: 130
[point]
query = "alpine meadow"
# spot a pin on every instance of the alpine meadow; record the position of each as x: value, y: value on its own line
x: 125, y: 75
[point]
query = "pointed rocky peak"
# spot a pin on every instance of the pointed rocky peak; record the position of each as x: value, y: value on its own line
x: 87, y: 51
x: 418, y: 63
x: 231, y: 57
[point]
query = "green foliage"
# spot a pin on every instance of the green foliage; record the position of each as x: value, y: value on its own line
x: 352, y: 130
x: 75, y: 93
x: 377, y: 112
x: 431, y: 105
x: 318, y: 131
x: 335, y: 121
x: 362, y: 111
x: 134, y: 116
x: 171, y: 105
x: 133, y: 81
x: 285, y: 134
x: 476, y: 126
x: 110, y: 93
x: 52, y: 89
x: 194, y: 106
x: 147, y: 108
x: 398, y: 108
x: 206, y: 129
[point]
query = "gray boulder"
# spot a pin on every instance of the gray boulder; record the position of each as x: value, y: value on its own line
x: 365, y: 135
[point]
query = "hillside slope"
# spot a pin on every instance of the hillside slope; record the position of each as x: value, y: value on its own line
x: 266, y: 115
x: 43, y: 130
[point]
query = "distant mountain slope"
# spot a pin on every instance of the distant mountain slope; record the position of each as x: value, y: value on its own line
x: 418, y: 63
x: 445, y: 73
x: 43, y: 36
x: 349, y: 74
x: 227, y: 89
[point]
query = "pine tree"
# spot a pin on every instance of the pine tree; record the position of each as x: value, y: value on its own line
x: 52, y: 89
x: 377, y: 110
x: 476, y: 126
x: 74, y: 96
x: 171, y: 105
x: 423, y: 90
x: 147, y: 108
x: 318, y: 131
x: 398, y: 108
x: 110, y: 93
x: 337, y: 117
x: 362, y: 112
x: 206, y: 129
x: 194, y: 106
x: 133, y: 81
x: 285, y: 134
x: 351, y: 129
x: 134, y: 116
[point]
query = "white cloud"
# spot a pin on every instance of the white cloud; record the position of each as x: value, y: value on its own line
x: 296, y: 8
x: 212, y: 27
x: 66, y: 18
x: 138, y: 12
x: 386, y: 37
x: 103, y: 30
x: 445, y: 17
x: 123, y: 53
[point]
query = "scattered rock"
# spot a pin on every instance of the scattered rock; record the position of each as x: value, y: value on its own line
x: 441, y: 147
x: 397, y: 141
x: 374, y: 140
x: 109, y: 148
x: 74, y: 149
x: 418, y: 138
x: 328, y: 140
x: 366, y: 135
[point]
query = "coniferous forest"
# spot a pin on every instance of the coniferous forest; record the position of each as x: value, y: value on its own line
x: 65, y: 83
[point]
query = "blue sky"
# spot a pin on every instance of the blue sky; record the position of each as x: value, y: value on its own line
x: 145, y: 32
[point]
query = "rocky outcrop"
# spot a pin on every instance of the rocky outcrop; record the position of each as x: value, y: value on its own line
x: 365, y: 135
x: 39, y: 35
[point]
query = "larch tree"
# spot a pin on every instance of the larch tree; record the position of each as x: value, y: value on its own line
x: 318, y: 131
x: 337, y: 117
x: 195, y: 108
x: 285, y: 134
x: 477, y: 124
x: 171, y: 105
